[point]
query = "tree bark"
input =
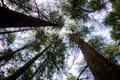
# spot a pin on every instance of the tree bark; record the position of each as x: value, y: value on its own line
x: 20, y: 71
x: 101, y: 67
x: 9, y: 18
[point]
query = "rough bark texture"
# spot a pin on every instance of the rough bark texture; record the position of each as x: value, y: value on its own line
x: 10, y: 18
x: 101, y: 67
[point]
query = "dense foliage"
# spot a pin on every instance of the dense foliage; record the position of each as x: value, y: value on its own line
x: 42, y: 52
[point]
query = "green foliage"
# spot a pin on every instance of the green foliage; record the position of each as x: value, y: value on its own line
x: 113, y: 20
x: 97, y: 42
x: 115, y: 34
x: 11, y: 37
x: 27, y: 74
x: 71, y: 77
x: 57, y: 52
x: 115, y: 5
x: 57, y: 18
x: 80, y: 9
x: 70, y: 10
x: 54, y: 59
x: 55, y: 56
x: 38, y: 40
x: 6, y: 55
x: 97, y: 5
x: 73, y: 13
x: 14, y: 69
x: 112, y: 51
x: 83, y: 31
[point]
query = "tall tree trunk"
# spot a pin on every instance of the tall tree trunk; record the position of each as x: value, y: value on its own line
x: 10, y: 18
x: 38, y: 68
x: 13, y: 53
x: 101, y: 67
x: 14, y: 31
x: 20, y: 71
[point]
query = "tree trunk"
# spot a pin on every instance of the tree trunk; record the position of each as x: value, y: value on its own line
x: 20, y: 71
x: 13, y: 53
x: 101, y: 67
x: 14, y: 31
x: 38, y: 68
x: 10, y: 18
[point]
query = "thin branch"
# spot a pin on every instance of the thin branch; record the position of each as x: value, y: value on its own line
x: 3, y: 4
x: 23, y: 7
x: 74, y: 59
x: 82, y: 72
x: 36, y: 6
x: 96, y: 20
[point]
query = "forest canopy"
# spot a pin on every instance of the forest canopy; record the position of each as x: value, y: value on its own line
x: 44, y: 40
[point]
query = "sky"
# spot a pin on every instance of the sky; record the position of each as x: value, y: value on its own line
x: 105, y: 33
x: 79, y: 58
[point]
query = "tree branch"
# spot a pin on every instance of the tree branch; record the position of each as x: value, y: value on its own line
x: 82, y: 72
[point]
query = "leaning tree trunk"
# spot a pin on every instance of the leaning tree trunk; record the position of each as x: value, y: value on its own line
x: 9, y: 18
x: 4, y: 57
x: 20, y: 71
x: 14, y: 31
x: 101, y: 67
x: 38, y: 68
